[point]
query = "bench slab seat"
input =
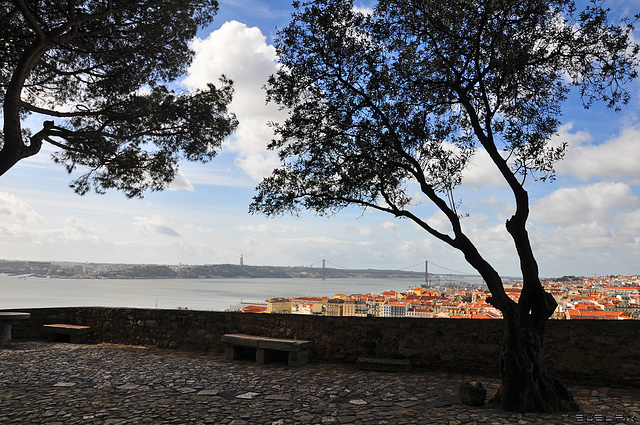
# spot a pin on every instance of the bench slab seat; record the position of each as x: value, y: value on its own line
x: 298, y: 350
x: 63, y: 332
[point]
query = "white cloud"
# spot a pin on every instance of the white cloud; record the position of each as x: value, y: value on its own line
x: 365, y: 232
x: 587, y: 249
x: 628, y: 223
x: 481, y: 171
x: 266, y: 229
x: 565, y: 135
x: 583, y: 159
x: 389, y: 225
x: 181, y: 182
x: 366, y: 10
x: 438, y: 221
x: 500, y: 209
x: 216, y: 173
x: 366, y: 244
x: 493, y: 243
x: 616, y: 159
x: 243, y: 55
x: 154, y: 224
x: 598, y: 202
x: 592, y: 229
x: 75, y: 230
x: 18, y: 210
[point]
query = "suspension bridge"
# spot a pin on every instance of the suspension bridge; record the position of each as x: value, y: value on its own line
x: 448, y: 276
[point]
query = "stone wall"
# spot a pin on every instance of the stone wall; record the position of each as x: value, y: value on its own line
x: 599, y: 352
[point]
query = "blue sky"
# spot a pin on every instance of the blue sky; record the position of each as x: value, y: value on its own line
x: 587, y: 222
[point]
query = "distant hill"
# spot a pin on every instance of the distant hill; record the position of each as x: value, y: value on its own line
x: 155, y: 271
x: 244, y: 271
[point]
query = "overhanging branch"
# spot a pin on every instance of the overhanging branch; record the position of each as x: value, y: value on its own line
x: 59, y: 114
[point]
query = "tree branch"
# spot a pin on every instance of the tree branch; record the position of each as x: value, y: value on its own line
x: 31, y: 20
x: 461, y: 242
x: 58, y: 114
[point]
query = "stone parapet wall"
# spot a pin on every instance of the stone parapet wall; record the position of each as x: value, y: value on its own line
x: 599, y: 352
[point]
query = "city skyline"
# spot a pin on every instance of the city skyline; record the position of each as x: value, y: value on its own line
x: 585, y: 223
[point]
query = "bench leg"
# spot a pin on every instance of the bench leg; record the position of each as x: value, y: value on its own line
x: 59, y: 337
x: 5, y: 333
x: 78, y: 338
x: 298, y: 359
x: 232, y: 352
x: 260, y: 356
x: 264, y: 356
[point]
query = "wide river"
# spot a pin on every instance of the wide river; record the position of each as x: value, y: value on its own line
x: 194, y: 294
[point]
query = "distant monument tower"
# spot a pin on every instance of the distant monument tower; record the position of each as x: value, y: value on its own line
x: 241, y: 260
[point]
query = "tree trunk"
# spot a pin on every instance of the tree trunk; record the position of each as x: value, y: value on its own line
x: 526, y: 384
x: 14, y: 148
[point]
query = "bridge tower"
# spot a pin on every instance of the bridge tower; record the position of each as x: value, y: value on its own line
x: 323, y: 267
x: 426, y: 271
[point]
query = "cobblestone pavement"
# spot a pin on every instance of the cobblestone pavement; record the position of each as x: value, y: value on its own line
x: 57, y: 383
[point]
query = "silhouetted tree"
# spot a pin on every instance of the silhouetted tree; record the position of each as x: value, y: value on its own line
x: 393, y: 103
x: 97, y: 68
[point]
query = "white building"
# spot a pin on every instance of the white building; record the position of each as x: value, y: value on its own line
x: 395, y: 308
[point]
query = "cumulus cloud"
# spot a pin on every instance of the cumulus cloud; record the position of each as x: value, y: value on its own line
x: 155, y: 224
x: 598, y: 202
x: 17, y: 209
x: 565, y: 135
x: 587, y: 249
x: 594, y: 228
x: 628, y: 223
x: 389, y: 225
x: 481, y: 171
x: 438, y: 221
x: 616, y: 159
x: 181, y: 182
x: 582, y: 157
x: 243, y: 55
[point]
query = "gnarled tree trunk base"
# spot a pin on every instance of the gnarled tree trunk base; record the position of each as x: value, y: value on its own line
x: 549, y: 396
x: 526, y: 384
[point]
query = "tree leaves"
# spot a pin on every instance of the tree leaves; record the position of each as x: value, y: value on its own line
x: 414, y: 89
x: 390, y: 107
x: 98, y: 68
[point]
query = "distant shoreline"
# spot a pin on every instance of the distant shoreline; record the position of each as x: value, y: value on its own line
x: 72, y: 270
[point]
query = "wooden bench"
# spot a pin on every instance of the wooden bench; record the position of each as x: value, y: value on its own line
x: 67, y: 333
x: 266, y: 349
x: 6, y: 323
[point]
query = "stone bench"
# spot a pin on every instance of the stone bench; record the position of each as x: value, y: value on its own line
x: 384, y: 364
x: 266, y: 349
x: 67, y: 333
x: 6, y: 323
